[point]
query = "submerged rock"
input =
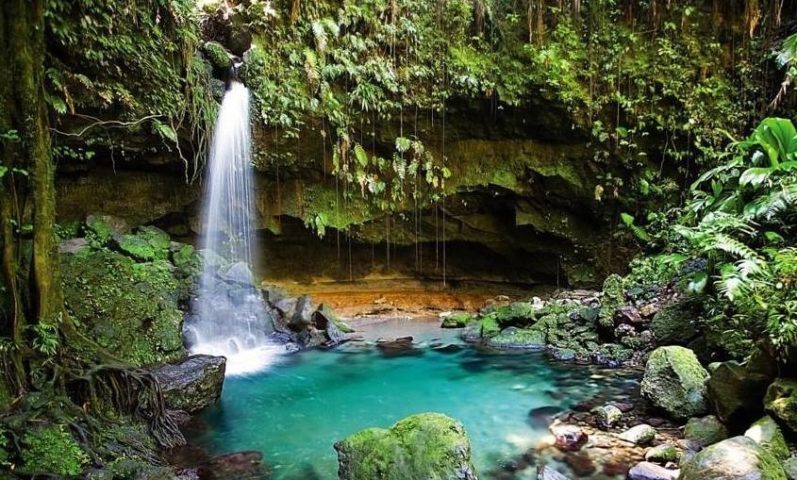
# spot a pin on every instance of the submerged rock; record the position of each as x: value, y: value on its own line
x: 192, y: 384
x: 737, y: 458
x: 675, y: 381
x: 422, y: 446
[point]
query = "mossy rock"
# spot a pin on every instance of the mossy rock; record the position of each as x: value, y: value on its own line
x: 780, y: 401
x: 675, y: 382
x: 490, y: 326
x: 705, y: 431
x: 613, y: 298
x: 766, y: 433
x: 148, y: 243
x: 517, y: 338
x: 736, y: 393
x: 673, y: 325
x: 128, y: 308
x: 457, y: 320
x: 52, y: 449
x: 514, y: 314
x: 217, y: 56
x: 734, y: 458
x: 429, y: 446
x: 100, y: 229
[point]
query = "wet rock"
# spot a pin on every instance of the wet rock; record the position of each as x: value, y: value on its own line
x: 613, y: 298
x: 651, y: 471
x: 780, y: 401
x: 568, y: 438
x: 192, y: 384
x: 303, y: 313
x: 675, y: 382
x: 767, y: 434
x: 629, y: 314
x: 736, y: 393
x: 705, y: 431
x: 516, y: 338
x: 472, y: 333
x: 749, y: 462
x: 239, y: 465
x: 427, y: 445
x: 607, y: 416
x: 448, y: 348
x: 663, y: 454
x: 311, y: 337
x: 326, y: 320
x: 396, y: 347
x: 624, y: 407
x: 639, y: 435
x: 790, y: 467
x: 563, y: 354
x: 580, y: 463
x: 548, y: 473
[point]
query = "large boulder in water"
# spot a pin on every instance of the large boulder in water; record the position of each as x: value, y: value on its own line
x: 192, y: 384
x: 675, y: 382
x: 424, y: 446
x: 737, y: 458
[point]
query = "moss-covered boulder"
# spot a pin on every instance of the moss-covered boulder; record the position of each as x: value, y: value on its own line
x: 192, y: 384
x: 457, y: 320
x: 705, y: 431
x: 766, y: 433
x: 674, y: 325
x: 675, y: 382
x: 147, y: 244
x: 428, y: 446
x: 780, y: 401
x: 737, y: 458
x: 518, y: 338
x: 128, y: 308
x: 217, y: 56
x: 736, y: 393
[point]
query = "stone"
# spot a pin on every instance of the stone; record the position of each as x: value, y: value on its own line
x: 147, y: 244
x: 705, y: 431
x: 736, y: 393
x: 673, y: 325
x: 325, y: 319
x: 548, y: 473
x: 426, y: 445
x: 393, y: 347
x: 612, y: 299
x: 629, y: 314
x: 541, y: 417
x: 675, y: 382
x: 607, y: 416
x: 767, y: 434
x: 737, y: 458
x: 563, y: 354
x: 192, y: 384
x: 101, y: 228
x: 457, y: 320
x: 237, y: 465
x: 73, y: 245
x: 239, y: 273
x: 303, y: 313
x: 568, y: 438
x: 311, y: 337
x: 516, y: 338
x: 663, y: 454
x: 217, y: 56
x: 642, y: 434
x: 580, y: 463
x: 651, y: 471
x: 472, y: 333
x: 780, y: 401
x: 790, y: 466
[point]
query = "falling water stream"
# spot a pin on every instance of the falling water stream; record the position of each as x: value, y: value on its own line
x: 230, y: 317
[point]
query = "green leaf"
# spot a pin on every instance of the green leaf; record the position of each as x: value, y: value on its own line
x: 360, y: 155
x: 627, y: 219
x: 755, y: 176
x: 697, y: 282
x: 165, y: 131
x: 403, y: 144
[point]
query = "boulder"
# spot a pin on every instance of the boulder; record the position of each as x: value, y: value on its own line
x: 663, y: 454
x: 675, y: 382
x: 426, y: 445
x: 472, y: 333
x: 607, y: 416
x: 147, y: 244
x: 192, y: 384
x: 651, y: 471
x: 737, y: 458
x: 302, y: 314
x: 780, y: 401
x: 516, y: 338
x: 790, y: 466
x: 705, y: 431
x: 767, y: 434
x: 325, y: 319
x: 393, y: 347
x: 568, y: 438
x: 457, y: 320
x: 639, y: 435
x: 612, y: 299
x: 736, y: 393
x: 673, y: 325
x: 239, y: 273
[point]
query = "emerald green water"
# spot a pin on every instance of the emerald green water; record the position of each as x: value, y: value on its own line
x: 295, y: 411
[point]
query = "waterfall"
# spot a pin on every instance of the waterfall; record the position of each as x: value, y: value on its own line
x: 229, y: 316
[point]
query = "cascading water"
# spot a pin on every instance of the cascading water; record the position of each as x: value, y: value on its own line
x: 230, y: 317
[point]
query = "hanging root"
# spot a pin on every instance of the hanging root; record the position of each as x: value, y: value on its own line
x: 131, y: 391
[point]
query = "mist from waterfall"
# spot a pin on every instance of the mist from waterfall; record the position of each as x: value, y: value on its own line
x: 230, y: 317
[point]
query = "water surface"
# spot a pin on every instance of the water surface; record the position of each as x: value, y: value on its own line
x: 297, y: 410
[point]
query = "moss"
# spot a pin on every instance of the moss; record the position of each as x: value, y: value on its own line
x: 675, y: 381
x: 428, y: 445
x: 613, y: 298
x: 490, y: 326
x: 781, y: 401
x: 457, y: 320
x: 149, y: 243
x: 767, y: 434
x: 217, y: 56
x: 706, y: 430
x: 52, y: 449
x: 129, y: 308
x: 513, y: 337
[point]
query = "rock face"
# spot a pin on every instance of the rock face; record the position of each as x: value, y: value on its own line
x: 737, y: 458
x: 766, y: 433
x: 192, y: 384
x: 736, y: 393
x: 427, y: 445
x: 675, y: 381
x: 781, y: 401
